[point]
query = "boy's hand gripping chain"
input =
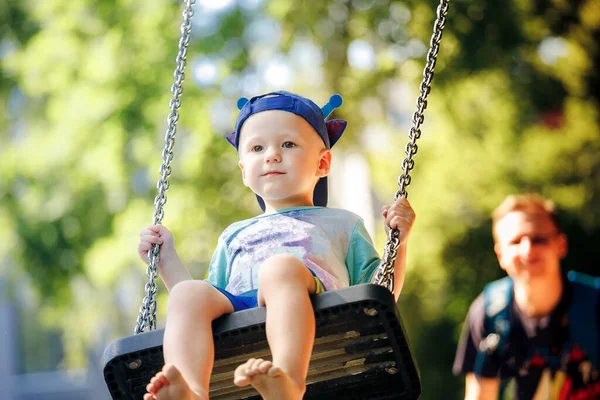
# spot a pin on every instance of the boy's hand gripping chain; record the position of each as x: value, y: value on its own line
x: 385, y: 273
x: 147, y: 318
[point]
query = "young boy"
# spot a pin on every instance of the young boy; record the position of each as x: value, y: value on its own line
x: 297, y: 248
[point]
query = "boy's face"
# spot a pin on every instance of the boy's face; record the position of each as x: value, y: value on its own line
x: 282, y: 158
x: 529, y: 246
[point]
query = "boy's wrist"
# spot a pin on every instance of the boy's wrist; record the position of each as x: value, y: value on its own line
x: 169, y: 259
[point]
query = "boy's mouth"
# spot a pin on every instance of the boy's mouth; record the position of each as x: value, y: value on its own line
x: 269, y: 173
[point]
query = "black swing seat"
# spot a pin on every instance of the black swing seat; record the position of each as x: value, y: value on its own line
x: 360, y: 351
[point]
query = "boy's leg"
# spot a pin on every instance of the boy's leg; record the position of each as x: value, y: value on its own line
x: 188, y: 341
x: 285, y: 284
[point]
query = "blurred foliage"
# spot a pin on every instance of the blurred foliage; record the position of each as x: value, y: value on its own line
x: 514, y: 108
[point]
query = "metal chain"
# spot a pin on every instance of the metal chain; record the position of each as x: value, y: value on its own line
x: 147, y: 318
x: 385, y: 273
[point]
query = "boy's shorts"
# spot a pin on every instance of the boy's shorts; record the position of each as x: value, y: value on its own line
x: 249, y: 299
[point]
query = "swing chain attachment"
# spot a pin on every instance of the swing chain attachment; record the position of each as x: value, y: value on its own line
x: 385, y: 273
x: 147, y: 317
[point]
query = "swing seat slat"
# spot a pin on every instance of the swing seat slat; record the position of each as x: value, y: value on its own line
x: 360, y: 351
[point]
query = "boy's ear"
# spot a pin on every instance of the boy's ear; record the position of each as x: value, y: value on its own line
x: 241, y: 165
x: 324, y: 163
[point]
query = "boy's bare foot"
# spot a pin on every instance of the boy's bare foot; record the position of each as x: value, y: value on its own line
x: 270, y: 381
x: 168, y: 384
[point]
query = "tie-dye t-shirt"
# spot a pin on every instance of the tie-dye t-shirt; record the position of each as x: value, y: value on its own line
x: 333, y: 243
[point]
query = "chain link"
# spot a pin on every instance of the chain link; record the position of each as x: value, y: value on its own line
x: 385, y: 273
x: 147, y: 318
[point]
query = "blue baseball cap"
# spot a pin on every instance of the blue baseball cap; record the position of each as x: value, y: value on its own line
x: 329, y: 131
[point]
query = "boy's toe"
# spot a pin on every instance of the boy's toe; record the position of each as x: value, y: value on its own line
x: 254, y: 366
x: 155, y: 382
x: 274, y: 371
x: 170, y: 374
x: 151, y: 389
x: 264, y: 366
x: 240, y: 377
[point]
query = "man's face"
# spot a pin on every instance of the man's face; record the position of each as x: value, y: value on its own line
x: 529, y: 246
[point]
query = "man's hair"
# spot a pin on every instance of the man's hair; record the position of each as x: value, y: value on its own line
x: 532, y: 202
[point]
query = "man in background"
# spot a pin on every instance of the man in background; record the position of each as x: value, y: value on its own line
x: 537, y: 330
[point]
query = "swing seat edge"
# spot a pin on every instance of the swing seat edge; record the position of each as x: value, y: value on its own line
x: 360, y: 324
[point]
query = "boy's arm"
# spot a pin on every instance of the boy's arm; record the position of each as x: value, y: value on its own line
x: 400, y: 216
x: 172, y: 271
x: 399, y: 270
x: 170, y: 268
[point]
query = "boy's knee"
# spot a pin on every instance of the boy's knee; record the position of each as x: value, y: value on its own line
x: 190, y: 295
x: 282, y: 268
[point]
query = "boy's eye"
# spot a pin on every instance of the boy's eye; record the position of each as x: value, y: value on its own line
x: 257, y: 148
x: 289, y: 145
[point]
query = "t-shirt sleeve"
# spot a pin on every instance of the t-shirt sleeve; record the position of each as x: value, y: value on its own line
x: 217, y: 269
x: 472, y: 334
x: 362, y: 259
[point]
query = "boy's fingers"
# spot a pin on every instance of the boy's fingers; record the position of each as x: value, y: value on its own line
x: 393, y: 223
x: 155, y: 228
x: 146, y: 252
x: 392, y: 214
x: 384, y: 210
x: 399, y: 217
x: 151, y: 239
x: 148, y: 231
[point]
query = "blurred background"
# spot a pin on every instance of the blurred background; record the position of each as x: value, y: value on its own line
x: 84, y: 98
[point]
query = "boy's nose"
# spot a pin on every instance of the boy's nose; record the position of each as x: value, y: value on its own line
x: 272, y: 156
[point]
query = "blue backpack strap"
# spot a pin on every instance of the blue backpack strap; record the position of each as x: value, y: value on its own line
x: 497, y: 298
x: 583, y: 312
